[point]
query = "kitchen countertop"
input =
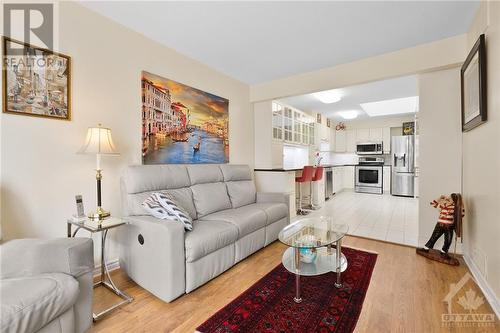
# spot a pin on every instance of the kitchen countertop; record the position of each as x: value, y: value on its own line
x: 300, y: 169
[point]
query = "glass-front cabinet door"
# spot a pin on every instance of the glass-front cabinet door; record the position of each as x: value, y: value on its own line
x: 277, y: 121
x: 311, y: 133
x: 305, y: 133
x: 288, y: 124
x: 297, y: 127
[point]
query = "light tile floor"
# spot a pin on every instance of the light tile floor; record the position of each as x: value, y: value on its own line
x: 383, y: 217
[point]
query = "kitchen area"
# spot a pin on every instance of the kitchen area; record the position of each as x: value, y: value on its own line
x: 366, y: 142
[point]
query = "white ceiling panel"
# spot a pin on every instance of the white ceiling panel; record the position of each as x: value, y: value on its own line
x: 260, y: 41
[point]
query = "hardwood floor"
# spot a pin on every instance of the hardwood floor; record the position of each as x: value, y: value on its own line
x: 405, y: 295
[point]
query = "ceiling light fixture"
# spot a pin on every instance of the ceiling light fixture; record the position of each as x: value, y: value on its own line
x: 391, y: 106
x: 351, y: 114
x: 328, y: 96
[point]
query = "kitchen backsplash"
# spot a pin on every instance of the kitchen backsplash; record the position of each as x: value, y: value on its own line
x: 343, y: 158
x: 348, y: 158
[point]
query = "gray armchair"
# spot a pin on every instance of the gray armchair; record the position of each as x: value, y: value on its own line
x: 46, y: 285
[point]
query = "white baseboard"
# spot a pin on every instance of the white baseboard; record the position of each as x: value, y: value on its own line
x: 483, y: 285
x: 112, y: 265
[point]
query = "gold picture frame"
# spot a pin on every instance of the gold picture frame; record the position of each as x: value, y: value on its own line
x: 36, y: 83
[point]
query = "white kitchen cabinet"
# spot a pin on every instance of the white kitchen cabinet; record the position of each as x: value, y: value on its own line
x: 386, y: 138
x: 348, y: 177
x: 332, y: 138
x: 287, y: 125
x: 363, y: 135
x: 387, y: 179
x: 297, y: 127
x: 340, y: 141
x: 351, y: 141
x: 376, y: 134
x: 323, y: 133
x: 338, y: 179
x: 274, y: 126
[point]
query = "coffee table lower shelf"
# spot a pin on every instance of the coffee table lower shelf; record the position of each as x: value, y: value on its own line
x: 325, y: 262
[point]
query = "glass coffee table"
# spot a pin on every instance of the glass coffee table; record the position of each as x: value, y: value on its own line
x: 310, y: 242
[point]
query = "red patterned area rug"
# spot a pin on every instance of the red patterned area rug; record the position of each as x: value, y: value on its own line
x: 268, y: 305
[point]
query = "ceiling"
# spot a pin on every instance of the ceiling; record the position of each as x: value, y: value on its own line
x: 258, y: 41
x: 353, y: 96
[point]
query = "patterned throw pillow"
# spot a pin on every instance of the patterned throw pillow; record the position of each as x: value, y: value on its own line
x: 161, y: 205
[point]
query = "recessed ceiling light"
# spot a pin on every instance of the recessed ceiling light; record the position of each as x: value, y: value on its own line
x: 328, y: 96
x: 351, y: 114
x: 391, y: 106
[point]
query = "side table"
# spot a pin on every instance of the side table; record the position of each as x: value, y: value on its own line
x: 105, y: 278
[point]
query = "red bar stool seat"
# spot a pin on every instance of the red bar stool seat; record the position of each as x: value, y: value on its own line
x: 307, y: 176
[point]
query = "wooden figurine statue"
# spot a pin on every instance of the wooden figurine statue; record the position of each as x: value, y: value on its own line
x: 451, y: 212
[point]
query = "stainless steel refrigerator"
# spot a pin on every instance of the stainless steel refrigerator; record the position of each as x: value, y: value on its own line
x: 403, y: 165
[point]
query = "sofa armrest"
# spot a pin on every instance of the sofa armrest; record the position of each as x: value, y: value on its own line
x: 152, y: 254
x: 274, y: 197
x: 21, y: 257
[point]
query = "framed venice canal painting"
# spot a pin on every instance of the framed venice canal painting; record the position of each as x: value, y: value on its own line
x: 181, y: 124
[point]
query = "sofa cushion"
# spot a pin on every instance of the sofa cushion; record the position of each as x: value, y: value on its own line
x: 204, y: 173
x: 241, y: 193
x: 144, y: 178
x: 233, y: 172
x: 210, y: 198
x: 182, y: 197
x: 208, y: 237
x: 247, y: 218
x: 275, y: 211
x: 29, y: 303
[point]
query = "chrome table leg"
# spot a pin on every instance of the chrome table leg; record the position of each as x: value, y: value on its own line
x: 297, y: 297
x: 338, y: 283
x: 109, y: 284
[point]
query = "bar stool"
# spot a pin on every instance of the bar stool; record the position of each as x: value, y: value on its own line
x: 307, y: 176
x: 318, y: 175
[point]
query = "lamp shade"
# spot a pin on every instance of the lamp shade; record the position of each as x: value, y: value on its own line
x: 99, y: 141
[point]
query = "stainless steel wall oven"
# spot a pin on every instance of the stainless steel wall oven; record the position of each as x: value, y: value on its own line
x: 369, y: 175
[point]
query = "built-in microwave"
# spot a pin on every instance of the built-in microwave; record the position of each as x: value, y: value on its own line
x: 369, y: 148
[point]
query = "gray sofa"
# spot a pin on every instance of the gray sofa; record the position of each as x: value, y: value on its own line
x: 46, y: 285
x: 231, y: 221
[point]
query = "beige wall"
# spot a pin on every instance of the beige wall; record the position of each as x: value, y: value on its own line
x: 440, y: 143
x: 40, y: 170
x: 481, y: 160
x: 431, y: 56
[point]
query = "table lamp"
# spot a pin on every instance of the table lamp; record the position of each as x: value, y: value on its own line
x: 98, y: 142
